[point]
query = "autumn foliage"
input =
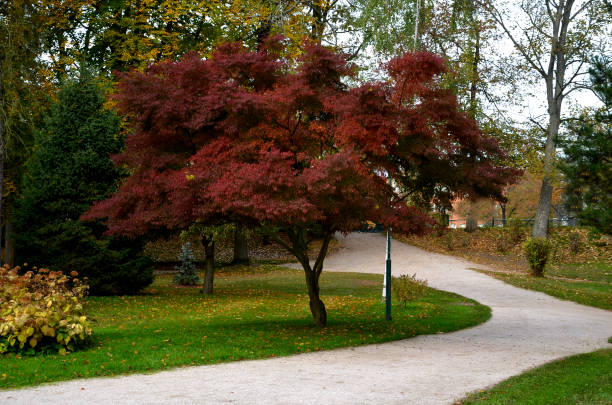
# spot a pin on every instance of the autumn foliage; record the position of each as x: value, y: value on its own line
x: 41, y: 309
x: 254, y: 137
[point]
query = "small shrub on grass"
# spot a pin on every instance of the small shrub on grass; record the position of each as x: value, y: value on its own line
x: 187, y: 272
x: 41, y: 310
x: 408, y: 288
x: 465, y: 241
x: 449, y: 241
x: 501, y: 243
x: 575, y: 242
x: 516, y: 231
x: 537, y: 251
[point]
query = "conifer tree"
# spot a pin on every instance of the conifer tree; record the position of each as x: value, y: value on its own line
x: 187, y: 272
x: 588, y: 160
x: 69, y: 170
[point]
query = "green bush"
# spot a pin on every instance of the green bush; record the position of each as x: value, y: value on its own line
x: 574, y: 240
x: 465, y: 241
x: 449, y: 240
x: 41, y: 310
x: 187, y: 272
x: 501, y: 243
x: 537, y: 251
x: 69, y: 170
x: 408, y: 288
x: 515, y: 231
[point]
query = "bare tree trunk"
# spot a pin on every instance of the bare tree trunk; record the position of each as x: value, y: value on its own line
x: 9, y: 245
x: 209, y: 250
x: 503, y: 210
x: 415, y: 42
x: 241, y: 247
x: 319, y: 17
x: 540, y: 222
x: 2, y: 147
x: 475, y: 79
x: 540, y: 225
x: 560, y: 56
x: 555, y: 87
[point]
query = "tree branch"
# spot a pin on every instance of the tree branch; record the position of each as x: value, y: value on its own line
x: 498, y: 17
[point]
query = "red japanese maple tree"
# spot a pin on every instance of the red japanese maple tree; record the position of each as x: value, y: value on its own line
x: 250, y: 136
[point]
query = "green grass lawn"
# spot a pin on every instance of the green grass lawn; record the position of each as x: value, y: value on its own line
x: 255, y: 313
x: 581, y: 379
x: 586, y: 283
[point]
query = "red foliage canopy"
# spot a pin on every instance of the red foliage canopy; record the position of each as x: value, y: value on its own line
x: 249, y: 136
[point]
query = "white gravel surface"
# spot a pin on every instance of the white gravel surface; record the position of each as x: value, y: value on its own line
x: 527, y: 329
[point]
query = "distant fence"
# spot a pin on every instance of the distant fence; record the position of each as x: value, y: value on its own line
x: 498, y: 222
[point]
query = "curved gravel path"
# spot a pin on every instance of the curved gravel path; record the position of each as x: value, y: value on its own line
x: 527, y: 329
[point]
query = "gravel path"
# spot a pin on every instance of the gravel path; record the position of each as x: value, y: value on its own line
x: 527, y: 329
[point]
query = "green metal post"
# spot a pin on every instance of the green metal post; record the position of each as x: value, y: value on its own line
x: 388, y: 278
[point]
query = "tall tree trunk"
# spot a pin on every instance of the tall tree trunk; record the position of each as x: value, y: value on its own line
x: 503, y: 210
x: 2, y: 147
x: 319, y: 16
x: 415, y: 42
x: 208, y: 243
x: 540, y: 224
x: 555, y: 88
x: 9, y: 244
x: 475, y: 79
x: 241, y: 247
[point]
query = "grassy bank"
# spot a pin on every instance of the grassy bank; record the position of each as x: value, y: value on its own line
x: 584, y: 283
x: 582, y: 274
x: 581, y: 379
x: 255, y: 313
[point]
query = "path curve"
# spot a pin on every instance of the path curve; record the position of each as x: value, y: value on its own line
x: 527, y: 329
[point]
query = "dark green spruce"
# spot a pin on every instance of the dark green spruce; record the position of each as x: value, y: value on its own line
x: 588, y: 160
x: 69, y: 170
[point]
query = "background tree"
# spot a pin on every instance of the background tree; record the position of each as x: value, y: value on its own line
x: 291, y: 147
x: 69, y: 170
x: 23, y: 91
x: 187, y: 271
x: 554, y: 40
x: 123, y: 34
x: 587, y: 164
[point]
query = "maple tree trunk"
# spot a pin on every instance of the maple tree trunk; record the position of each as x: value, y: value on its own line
x: 209, y: 250
x: 503, y: 210
x: 317, y: 308
x: 241, y: 247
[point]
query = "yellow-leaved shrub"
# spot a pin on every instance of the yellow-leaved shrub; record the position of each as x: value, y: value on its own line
x: 408, y: 288
x: 41, y: 310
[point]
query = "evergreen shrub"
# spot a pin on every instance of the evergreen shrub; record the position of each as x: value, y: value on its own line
x: 187, y: 272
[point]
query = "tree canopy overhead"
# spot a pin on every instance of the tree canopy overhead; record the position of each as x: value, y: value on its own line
x: 252, y: 136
